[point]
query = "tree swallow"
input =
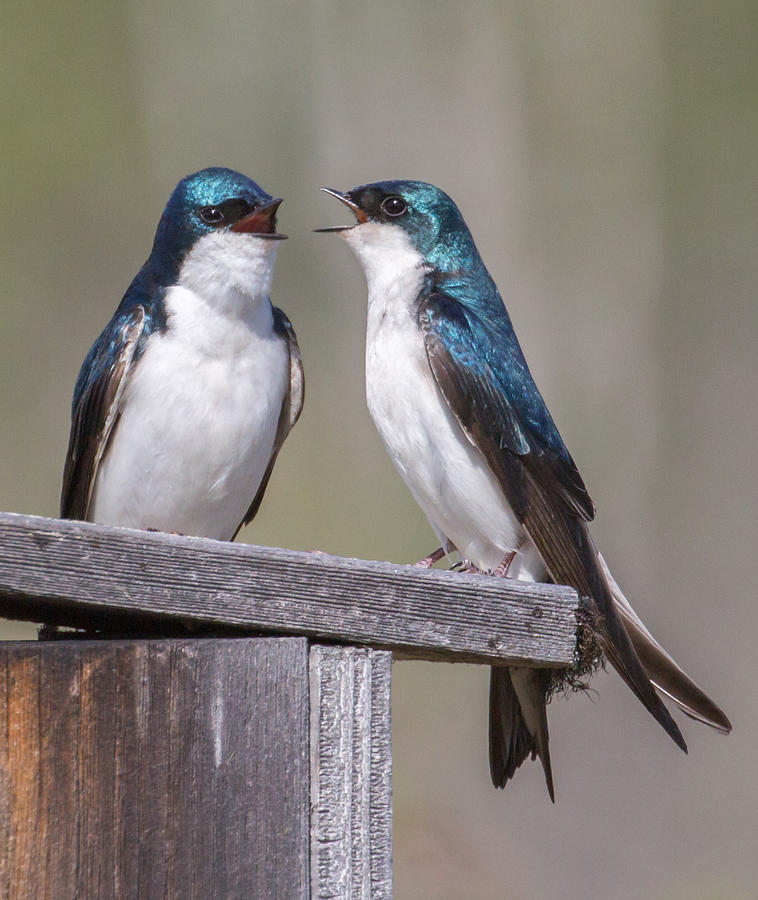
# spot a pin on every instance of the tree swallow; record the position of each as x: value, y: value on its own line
x: 455, y: 404
x: 185, y: 399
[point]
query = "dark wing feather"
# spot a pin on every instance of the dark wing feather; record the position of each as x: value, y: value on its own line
x: 96, y: 408
x: 485, y: 380
x: 662, y: 669
x: 292, y: 406
x: 486, y: 383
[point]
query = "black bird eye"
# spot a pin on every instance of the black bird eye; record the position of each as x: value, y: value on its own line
x: 212, y: 215
x: 394, y: 206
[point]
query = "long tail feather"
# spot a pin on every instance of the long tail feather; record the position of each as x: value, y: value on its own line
x: 572, y: 558
x: 667, y: 676
x: 518, y: 723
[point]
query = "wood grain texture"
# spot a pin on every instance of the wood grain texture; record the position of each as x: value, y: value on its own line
x: 380, y: 774
x: 351, y: 780
x: 158, y: 769
x: 77, y: 573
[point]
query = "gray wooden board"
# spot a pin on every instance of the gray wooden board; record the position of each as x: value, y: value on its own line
x: 78, y: 573
x: 154, y: 769
x: 351, y: 774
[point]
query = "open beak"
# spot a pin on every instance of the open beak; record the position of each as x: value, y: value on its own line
x: 261, y: 222
x: 359, y: 214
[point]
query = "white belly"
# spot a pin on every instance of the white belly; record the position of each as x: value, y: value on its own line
x: 200, y: 416
x: 448, y: 477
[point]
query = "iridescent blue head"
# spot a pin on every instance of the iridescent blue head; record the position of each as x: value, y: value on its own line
x: 429, y: 218
x: 213, y: 200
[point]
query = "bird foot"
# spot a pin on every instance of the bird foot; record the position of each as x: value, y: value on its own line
x: 468, y: 568
x: 500, y: 571
x: 428, y: 561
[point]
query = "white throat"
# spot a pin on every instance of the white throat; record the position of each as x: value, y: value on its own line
x: 228, y: 269
x: 389, y: 259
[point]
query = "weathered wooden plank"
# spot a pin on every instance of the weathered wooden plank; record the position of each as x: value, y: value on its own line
x: 351, y: 782
x: 380, y: 796
x: 82, y: 574
x: 154, y: 769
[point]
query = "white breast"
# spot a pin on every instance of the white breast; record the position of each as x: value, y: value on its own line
x: 202, y: 405
x: 444, y: 471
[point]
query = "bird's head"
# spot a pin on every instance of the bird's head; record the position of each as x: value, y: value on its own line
x: 411, y: 215
x: 216, y: 218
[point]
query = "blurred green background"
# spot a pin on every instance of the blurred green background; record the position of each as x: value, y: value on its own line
x: 604, y: 155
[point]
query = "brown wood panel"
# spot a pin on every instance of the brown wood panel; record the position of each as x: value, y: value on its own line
x: 172, y: 768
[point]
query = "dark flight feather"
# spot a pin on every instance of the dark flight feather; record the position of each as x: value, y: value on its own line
x: 510, y: 739
x: 96, y: 409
